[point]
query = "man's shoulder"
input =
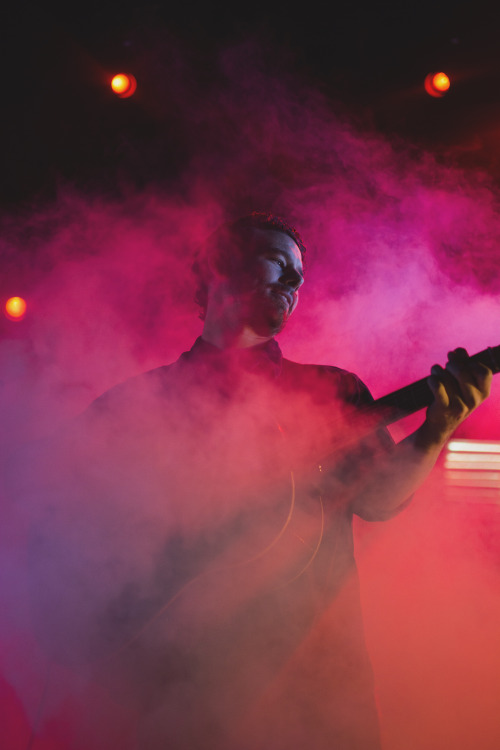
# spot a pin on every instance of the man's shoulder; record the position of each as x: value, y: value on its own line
x: 140, y: 390
x: 134, y: 386
x: 326, y: 381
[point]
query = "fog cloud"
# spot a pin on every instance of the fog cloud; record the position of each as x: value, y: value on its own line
x: 402, y: 265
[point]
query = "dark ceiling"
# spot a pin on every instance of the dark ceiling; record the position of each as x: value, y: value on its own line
x: 61, y: 122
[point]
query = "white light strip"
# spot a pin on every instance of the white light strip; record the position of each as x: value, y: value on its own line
x: 472, y: 470
x: 473, y: 446
x: 472, y: 461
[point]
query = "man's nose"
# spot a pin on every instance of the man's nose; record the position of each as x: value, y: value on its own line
x: 292, y: 278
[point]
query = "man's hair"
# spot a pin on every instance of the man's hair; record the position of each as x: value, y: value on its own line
x: 223, y: 244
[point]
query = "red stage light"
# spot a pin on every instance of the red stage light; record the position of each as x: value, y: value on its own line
x: 15, y: 308
x: 124, y: 85
x: 437, y: 84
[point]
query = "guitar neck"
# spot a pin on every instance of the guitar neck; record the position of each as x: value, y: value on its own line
x: 418, y: 395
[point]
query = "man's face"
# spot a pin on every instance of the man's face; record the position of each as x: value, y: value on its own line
x: 265, y: 279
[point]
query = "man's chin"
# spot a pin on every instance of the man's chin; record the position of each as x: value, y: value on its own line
x: 272, y: 325
x: 272, y: 316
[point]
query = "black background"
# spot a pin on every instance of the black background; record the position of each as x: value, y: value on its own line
x: 62, y: 124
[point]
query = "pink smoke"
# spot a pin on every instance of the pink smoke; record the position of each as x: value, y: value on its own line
x: 402, y: 266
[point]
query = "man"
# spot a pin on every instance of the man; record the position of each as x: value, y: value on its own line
x: 211, y: 580
x: 252, y: 301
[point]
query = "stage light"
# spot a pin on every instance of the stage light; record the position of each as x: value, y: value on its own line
x: 437, y: 84
x: 124, y: 85
x: 441, y: 82
x: 15, y: 308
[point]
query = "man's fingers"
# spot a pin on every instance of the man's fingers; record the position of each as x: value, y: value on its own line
x: 473, y: 378
x: 462, y: 385
x: 445, y: 379
x: 457, y: 390
x: 438, y: 381
x: 459, y: 354
x: 484, y: 377
x: 446, y: 391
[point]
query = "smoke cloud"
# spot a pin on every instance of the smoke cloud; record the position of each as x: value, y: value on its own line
x: 402, y: 266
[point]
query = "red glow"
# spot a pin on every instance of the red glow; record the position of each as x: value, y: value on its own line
x: 15, y: 308
x: 437, y: 84
x: 124, y: 85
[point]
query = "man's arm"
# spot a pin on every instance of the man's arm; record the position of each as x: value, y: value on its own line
x: 458, y: 389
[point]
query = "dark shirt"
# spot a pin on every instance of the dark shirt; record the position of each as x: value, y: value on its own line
x: 191, y: 555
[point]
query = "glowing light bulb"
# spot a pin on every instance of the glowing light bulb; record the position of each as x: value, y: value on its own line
x: 120, y: 83
x: 441, y: 82
x: 437, y: 84
x: 124, y: 85
x: 15, y: 308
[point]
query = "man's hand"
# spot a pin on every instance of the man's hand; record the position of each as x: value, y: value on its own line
x: 458, y: 389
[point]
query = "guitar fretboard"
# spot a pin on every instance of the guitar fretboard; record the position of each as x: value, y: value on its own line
x: 418, y: 395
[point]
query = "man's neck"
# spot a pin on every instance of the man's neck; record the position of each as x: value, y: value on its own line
x: 232, y: 339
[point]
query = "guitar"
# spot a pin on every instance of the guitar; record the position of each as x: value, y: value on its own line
x: 418, y: 395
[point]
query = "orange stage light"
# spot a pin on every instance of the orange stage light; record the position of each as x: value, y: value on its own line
x: 441, y: 82
x: 124, y: 85
x: 15, y: 308
x: 437, y: 84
